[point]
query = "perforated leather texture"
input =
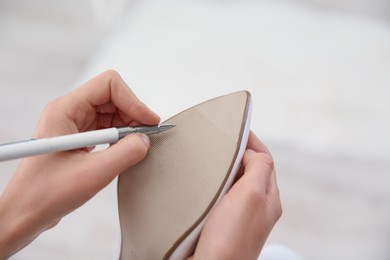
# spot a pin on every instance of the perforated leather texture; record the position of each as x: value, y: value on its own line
x: 169, y: 193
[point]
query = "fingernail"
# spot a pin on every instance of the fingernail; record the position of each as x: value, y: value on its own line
x: 146, y: 140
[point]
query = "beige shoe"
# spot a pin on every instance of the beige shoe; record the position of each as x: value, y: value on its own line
x: 164, y: 200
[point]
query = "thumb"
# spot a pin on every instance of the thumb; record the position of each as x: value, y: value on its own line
x: 118, y: 157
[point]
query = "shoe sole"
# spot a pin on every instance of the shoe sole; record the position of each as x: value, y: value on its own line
x: 164, y: 201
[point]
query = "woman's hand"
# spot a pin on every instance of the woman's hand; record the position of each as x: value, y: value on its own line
x: 239, y: 225
x: 47, y: 187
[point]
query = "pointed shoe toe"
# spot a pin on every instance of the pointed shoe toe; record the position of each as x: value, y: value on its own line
x: 164, y: 201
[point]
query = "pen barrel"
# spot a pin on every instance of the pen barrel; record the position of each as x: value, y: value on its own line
x: 81, y: 140
x: 23, y: 149
x: 56, y: 144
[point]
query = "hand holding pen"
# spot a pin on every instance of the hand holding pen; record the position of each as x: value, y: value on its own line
x: 69, y: 142
x: 47, y: 187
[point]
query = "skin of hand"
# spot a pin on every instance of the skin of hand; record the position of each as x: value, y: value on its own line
x: 239, y: 225
x: 47, y: 187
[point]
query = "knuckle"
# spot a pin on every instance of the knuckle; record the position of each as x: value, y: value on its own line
x: 267, y: 159
x: 52, y: 104
x: 255, y: 196
x: 277, y: 205
x: 51, y: 108
x: 112, y: 75
x: 116, y: 83
x: 278, y: 210
x: 263, y: 161
x: 279, y: 213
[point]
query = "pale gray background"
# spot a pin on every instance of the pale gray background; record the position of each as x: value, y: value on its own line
x: 319, y: 72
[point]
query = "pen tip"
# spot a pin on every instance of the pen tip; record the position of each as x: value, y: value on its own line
x: 167, y: 125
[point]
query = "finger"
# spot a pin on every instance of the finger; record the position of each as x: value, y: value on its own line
x: 54, y: 121
x: 239, y: 174
x: 104, y: 120
x: 118, y: 121
x: 258, y: 169
x: 107, y: 108
x: 256, y: 145
x: 120, y: 156
x: 109, y: 87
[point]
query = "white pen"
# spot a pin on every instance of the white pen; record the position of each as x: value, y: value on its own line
x: 32, y: 147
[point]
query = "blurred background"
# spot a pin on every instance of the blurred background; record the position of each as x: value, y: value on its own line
x: 318, y: 71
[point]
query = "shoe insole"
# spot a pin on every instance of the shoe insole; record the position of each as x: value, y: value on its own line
x: 167, y: 195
